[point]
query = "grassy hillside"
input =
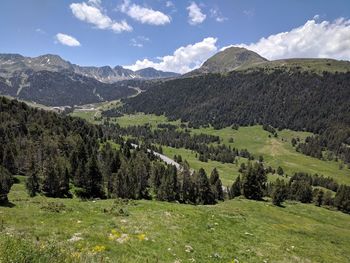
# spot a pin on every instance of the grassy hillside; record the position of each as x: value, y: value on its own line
x: 279, y: 151
x: 151, y: 231
x: 276, y: 151
x: 301, y: 64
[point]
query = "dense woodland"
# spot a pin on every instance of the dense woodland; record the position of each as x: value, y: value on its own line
x: 63, y: 157
x: 296, y: 100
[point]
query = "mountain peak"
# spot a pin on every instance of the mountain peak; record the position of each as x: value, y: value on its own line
x: 229, y: 59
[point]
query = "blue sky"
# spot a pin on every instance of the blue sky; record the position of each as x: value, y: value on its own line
x: 173, y: 35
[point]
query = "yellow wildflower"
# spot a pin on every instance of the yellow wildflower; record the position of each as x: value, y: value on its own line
x: 98, y: 249
x: 114, y: 235
x: 141, y: 237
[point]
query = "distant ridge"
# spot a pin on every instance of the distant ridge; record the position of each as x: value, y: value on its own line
x: 11, y: 63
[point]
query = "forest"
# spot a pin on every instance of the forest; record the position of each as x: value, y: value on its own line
x: 62, y: 156
x: 302, y: 101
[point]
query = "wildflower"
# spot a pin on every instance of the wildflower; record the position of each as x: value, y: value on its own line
x: 114, y: 235
x: 142, y: 237
x: 98, y: 249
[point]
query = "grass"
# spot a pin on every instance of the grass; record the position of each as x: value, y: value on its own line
x: 153, y: 231
x: 279, y: 151
x: 142, y: 119
x: 314, y: 65
x: 276, y: 151
x: 228, y: 171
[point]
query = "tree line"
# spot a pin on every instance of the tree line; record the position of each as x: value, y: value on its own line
x: 252, y: 184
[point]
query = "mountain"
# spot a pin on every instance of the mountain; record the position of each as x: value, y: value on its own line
x: 63, y: 88
x: 14, y: 63
x: 53, y: 81
x: 151, y: 73
x: 228, y: 60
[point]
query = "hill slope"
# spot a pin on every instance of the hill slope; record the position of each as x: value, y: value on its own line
x: 247, y: 231
x: 228, y: 60
x: 295, y: 99
x: 151, y: 73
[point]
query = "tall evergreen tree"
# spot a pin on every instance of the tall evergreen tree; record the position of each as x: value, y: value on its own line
x: 205, y: 195
x: 279, y: 192
x: 9, y: 159
x: 254, y: 180
x: 32, y: 183
x: 235, y: 189
x: 216, y: 185
x: 342, y: 198
x: 6, y: 182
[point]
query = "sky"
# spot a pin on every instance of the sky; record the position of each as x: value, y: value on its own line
x: 173, y: 35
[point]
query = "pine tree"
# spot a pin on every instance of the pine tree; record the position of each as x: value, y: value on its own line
x: 50, y: 186
x: 342, y: 198
x: 216, y: 185
x: 6, y: 182
x: 300, y: 190
x: 280, y: 171
x: 253, y: 183
x: 319, y: 198
x: 205, y: 195
x: 279, y: 192
x: 187, y: 188
x: 235, y: 189
x: 168, y: 189
x: 93, y: 184
x: 9, y: 160
x: 32, y: 183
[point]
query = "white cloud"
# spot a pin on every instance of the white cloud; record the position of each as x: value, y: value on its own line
x: 316, y: 17
x: 40, y: 31
x: 139, y: 41
x: 216, y: 14
x: 169, y: 4
x: 67, y: 40
x: 183, y: 59
x: 92, y: 13
x: 144, y: 15
x: 312, y: 40
x: 195, y: 15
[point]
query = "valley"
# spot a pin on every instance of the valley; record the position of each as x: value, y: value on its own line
x: 181, y: 151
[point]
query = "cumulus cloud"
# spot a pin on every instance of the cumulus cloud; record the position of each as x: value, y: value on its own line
x: 195, y: 15
x: 91, y: 12
x: 183, y: 59
x: 144, y: 15
x: 312, y: 40
x: 67, y: 40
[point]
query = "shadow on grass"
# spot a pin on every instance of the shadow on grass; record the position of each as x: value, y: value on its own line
x: 7, y: 204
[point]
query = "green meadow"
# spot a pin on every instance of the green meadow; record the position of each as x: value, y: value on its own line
x: 275, y: 151
x: 41, y: 229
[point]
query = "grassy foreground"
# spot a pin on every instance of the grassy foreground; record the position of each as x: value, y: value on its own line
x: 151, y: 231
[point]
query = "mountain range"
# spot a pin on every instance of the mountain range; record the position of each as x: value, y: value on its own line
x: 53, y: 81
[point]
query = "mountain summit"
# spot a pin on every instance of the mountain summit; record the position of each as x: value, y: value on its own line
x: 227, y: 60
